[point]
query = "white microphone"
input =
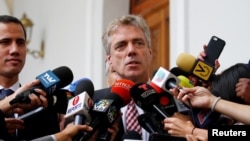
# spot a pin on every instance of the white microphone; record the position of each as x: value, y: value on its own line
x: 78, y: 108
x: 165, y: 80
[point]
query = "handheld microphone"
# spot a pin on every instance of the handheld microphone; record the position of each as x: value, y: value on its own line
x: 49, y: 82
x: 164, y: 80
x: 59, y: 101
x: 177, y: 71
x: 83, y: 84
x: 185, y: 82
x: 196, y: 67
x: 146, y: 97
x: 146, y: 122
x: 80, y: 105
x: 150, y: 101
x: 105, y: 111
x: 202, y: 118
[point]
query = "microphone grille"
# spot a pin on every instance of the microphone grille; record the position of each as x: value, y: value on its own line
x: 185, y: 62
x: 65, y: 75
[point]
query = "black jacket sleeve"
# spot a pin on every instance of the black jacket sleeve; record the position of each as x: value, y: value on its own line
x: 4, y: 135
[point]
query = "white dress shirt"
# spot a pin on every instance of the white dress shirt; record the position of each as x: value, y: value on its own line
x: 145, y: 134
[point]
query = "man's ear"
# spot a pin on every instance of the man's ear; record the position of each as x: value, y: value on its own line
x: 151, y: 55
x: 108, y: 58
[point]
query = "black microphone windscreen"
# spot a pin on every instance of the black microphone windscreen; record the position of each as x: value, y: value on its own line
x: 60, y: 100
x: 84, y: 84
x: 146, y: 123
x: 144, y: 95
x: 177, y: 71
x: 65, y: 75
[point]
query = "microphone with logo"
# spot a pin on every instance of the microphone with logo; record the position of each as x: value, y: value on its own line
x: 50, y: 82
x: 107, y: 110
x: 202, y: 118
x: 80, y: 105
x: 146, y: 97
x: 149, y: 100
x: 195, y: 67
x: 59, y: 101
x: 163, y: 80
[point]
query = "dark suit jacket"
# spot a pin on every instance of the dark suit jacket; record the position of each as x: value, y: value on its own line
x: 4, y: 135
x: 102, y: 93
x: 45, y: 122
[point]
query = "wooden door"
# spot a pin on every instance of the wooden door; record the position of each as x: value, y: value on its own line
x: 156, y: 14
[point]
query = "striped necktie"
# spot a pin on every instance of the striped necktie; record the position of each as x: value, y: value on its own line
x: 131, y: 118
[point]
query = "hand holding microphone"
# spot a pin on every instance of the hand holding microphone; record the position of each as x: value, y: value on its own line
x: 38, y: 99
x: 80, y: 105
x: 106, y: 110
x: 207, y: 63
x: 196, y: 67
x: 164, y: 80
x: 49, y: 82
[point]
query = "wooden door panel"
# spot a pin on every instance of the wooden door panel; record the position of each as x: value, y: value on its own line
x: 156, y: 14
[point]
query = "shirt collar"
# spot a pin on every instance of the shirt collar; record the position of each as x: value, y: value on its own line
x: 14, y: 87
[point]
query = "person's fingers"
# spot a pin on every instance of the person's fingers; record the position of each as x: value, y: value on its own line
x: 18, y: 110
x: 12, y: 123
x: 27, y: 86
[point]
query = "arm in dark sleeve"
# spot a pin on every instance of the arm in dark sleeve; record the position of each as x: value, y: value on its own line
x: 3, y: 130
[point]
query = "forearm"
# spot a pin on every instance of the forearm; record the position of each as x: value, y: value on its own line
x: 239, y: 112
x: 61, y: 136
x: 4, y: 104
x: 46, y: 138
x: 200, y: 132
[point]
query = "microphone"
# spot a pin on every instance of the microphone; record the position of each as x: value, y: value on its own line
x: 202, y: 118
x: 131, y: 136
x: 106, y: 111
x: 80, y: 105
x: 195, y: 67
x: 146, y: 97
x: 177, y: 71
x: 59, y: 101
x: 146, y: 122
x: 158, y: 106
x: 164, y: 80
x: 83, y: 84
x: 185, y: 82
x: 49, y: 82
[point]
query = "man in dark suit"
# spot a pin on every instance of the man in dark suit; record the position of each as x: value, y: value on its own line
x: 128, y: 52
x: 12, y: 59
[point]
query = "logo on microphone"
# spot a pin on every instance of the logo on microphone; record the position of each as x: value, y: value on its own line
x: 76, y: 100
x: 203, y: 70
x: 160, y: 75
x: 48, y: 79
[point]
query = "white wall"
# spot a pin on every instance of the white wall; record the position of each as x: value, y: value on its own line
x: 228, y: 19
x: 72, y: 32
